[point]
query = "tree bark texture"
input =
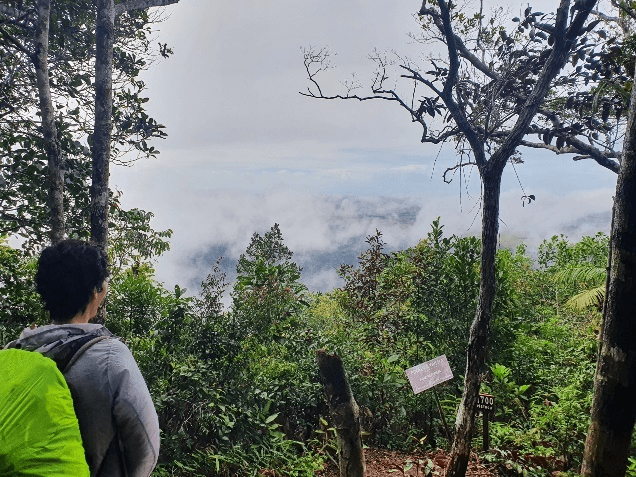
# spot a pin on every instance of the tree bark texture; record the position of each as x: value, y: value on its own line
x: 480, y: 330
x: 49, y: 130
x: 105, y: 32
x: 614, y: 403
x: 105, y: 26
x: 345, y: 414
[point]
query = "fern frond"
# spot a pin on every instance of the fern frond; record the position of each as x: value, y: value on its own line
x: 583, y: 273
x: 592, y: 297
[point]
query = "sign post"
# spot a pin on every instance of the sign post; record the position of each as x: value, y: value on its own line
x: 485, y: 404
x: 427, y: 375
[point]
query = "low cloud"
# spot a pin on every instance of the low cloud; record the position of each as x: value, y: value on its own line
x: 326, y: 231
x: 322, y: 231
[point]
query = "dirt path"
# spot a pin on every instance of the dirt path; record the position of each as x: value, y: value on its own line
x: 383, y: 463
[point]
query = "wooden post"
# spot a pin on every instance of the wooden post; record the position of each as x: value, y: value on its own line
x: 441, y: 415
x: 345, y: 414
x: 485, y: 404
x: 486, y: 417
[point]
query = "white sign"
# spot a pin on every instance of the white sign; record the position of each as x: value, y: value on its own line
x: 485, y: 402
x: 428, y: 374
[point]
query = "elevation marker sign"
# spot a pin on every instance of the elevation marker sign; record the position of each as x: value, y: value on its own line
x: 428, y: 374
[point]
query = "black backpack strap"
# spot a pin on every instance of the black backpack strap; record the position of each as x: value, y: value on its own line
x: 67, y: 353
x: 79, y: 351
x: 72, y: 350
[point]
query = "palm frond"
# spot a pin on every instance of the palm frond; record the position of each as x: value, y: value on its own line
x: 585, y: 299
x: 586, y: 273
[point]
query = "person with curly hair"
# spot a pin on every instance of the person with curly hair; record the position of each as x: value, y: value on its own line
x: 117, y: 418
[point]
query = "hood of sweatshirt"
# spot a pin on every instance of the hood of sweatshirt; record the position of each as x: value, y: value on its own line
x: 52, y: 340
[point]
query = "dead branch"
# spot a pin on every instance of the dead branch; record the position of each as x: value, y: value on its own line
x: 587, y: 151
x: 455, y: 167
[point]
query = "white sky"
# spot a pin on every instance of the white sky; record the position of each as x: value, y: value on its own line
x: 245, y: 149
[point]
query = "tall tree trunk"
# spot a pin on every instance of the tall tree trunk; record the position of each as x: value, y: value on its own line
x: 480, y: 330
x: 102, y: 133
x: 614, y: 404
x: 344, y: 413
x: 49, y: 131
x: 103, y: 121
x: 105, y: 33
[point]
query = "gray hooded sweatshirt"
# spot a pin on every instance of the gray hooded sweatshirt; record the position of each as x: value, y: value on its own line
x: 116, y: 415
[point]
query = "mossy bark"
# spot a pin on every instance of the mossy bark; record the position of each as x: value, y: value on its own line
x: 345, y: 414
x: 614, y: 404
x: 40, y: 60
x: 480, y: 329
x: 105, y: 32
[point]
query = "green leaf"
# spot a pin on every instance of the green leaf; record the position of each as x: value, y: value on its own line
x: 271, y: 418
x: 228, y: 423
x: 523, y: 388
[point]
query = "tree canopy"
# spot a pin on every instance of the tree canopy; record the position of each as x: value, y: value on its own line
x: 24, y: 207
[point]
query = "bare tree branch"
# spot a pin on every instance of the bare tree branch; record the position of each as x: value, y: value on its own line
x: 415, y: 75
x: 451, y: 79
x: 443, y: 137
x: 577, y: 146
x: 15, y: 43
x: 455, y: 167
x: 605, y: 17
x: 461, y: 47
x: 550, y: 147
x: 449, y: 35
x: 321, y: 60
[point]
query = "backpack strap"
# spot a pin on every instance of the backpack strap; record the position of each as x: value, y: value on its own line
x: 69, y: 352
x: 75, y: 349
x: 12, y: 345
x: 72, y: 350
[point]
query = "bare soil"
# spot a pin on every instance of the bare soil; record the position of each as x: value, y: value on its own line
x: 383, y: 463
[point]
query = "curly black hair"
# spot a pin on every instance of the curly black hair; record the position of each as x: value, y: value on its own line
x: 68, y: 274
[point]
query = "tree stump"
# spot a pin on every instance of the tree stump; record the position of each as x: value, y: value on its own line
x: 345, y: 414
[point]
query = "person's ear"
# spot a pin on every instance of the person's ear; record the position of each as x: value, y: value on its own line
x: 93, y: 297
x: 100, y: 294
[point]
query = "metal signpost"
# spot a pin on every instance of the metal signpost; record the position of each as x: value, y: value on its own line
x: 426, y: 375
x: 485, y: 404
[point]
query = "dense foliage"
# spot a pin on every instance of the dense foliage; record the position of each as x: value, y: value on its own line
x: 237, y: 390
x: 24, y: 209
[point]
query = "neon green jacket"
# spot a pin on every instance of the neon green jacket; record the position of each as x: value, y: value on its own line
x: 39, y: 432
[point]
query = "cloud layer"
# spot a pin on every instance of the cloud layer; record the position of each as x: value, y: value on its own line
x: 327, y: 230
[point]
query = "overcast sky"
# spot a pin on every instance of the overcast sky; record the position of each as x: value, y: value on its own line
x: 246, y: 150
